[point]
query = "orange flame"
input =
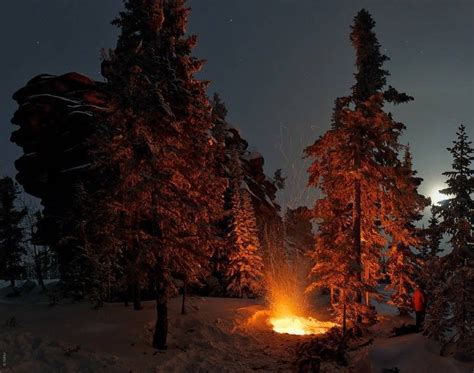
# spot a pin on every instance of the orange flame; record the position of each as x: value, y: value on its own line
x: 289, y: 311
x: 299, y: 325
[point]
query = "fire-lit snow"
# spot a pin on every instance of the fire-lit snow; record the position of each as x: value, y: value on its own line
x: 299, y: 325
x: 289, y: 311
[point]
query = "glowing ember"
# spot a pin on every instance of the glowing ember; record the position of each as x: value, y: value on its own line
x: 298, y: 325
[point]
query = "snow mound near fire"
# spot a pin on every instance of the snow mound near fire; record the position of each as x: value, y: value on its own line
x: 77, y: 338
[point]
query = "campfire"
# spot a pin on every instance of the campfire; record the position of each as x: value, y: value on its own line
x: 291, y: 317
x: 288, y: 311
x: 299, y: 325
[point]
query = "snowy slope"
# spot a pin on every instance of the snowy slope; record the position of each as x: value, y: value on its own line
x: 215, y: 336
x: 116, y: 339
x: 412, y: 353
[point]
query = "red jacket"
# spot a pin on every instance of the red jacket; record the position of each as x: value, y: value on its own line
x: 419, y: 301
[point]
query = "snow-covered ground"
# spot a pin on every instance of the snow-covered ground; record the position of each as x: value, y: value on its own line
x: 214, y: 336
x: 411, y: 353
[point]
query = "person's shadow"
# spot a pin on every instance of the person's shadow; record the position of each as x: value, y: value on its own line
x: 404, y: 329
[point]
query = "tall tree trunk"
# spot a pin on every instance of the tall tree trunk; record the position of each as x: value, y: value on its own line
x: 366, y: 293
x: 357, y: 224
x: 357, y: 233
x: 357, y: 238
x: 183, y: 303
x: 39, y: 268
x: 39, y: 276
x: 161, y: 327
x: 126, y: 295
x: 109, y: 291
x: 136, y: 296
x: 463, y: 319
x: 331, y: 289
x: 344, y: 323
x: 161, y: 291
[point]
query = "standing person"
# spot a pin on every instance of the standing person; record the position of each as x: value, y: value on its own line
x: 419, y: 304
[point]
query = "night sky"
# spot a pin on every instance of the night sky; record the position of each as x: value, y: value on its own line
x: 278, y: 65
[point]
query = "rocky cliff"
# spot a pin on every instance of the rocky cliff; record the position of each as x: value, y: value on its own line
x: 56, y: 115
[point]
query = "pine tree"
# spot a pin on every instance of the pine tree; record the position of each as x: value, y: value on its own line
x: 96, y: 269
x: 356, y: 166
x: 457, y: 212
x: 403, y: 265
x: 430, y: 257
x: 220, y: 127
x: 157, y: 151
x: 76, y: 269
x: 12, y: 236
x: 39, y: 253
x: 331, y: 258
x: 220, y: 131
x: 434, y: 235
x: 245, y: 265
x: 262, y: 191
x: 453, y: 305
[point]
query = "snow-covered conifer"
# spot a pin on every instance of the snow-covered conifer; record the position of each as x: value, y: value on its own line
x: 452, y: 307
x: 40, y: 254
x: 355, y: 165
x: 157, y: 150
x: 12, y: 236
x: 245, y: 265
x: 403, y: 265
x: 434, y: 235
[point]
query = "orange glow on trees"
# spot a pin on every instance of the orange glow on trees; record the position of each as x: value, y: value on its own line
x: 356, y: 165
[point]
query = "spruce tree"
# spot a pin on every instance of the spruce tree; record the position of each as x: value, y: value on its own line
x: 220, y: 131
x: 157, y: 150
x: 457, y: 211
x: 76, y: 270
x: 39, y: 253
x: 220, y: 126
x: 356, y: 165
x: 433, y: 234
x: 12, y: 235
x: 403, y: 265
x: 233, y: 151
x: 452, y: 309
x: 96, y: 269
x: 331, y: 258
x: 429, y: 256
x: 245, y: 265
